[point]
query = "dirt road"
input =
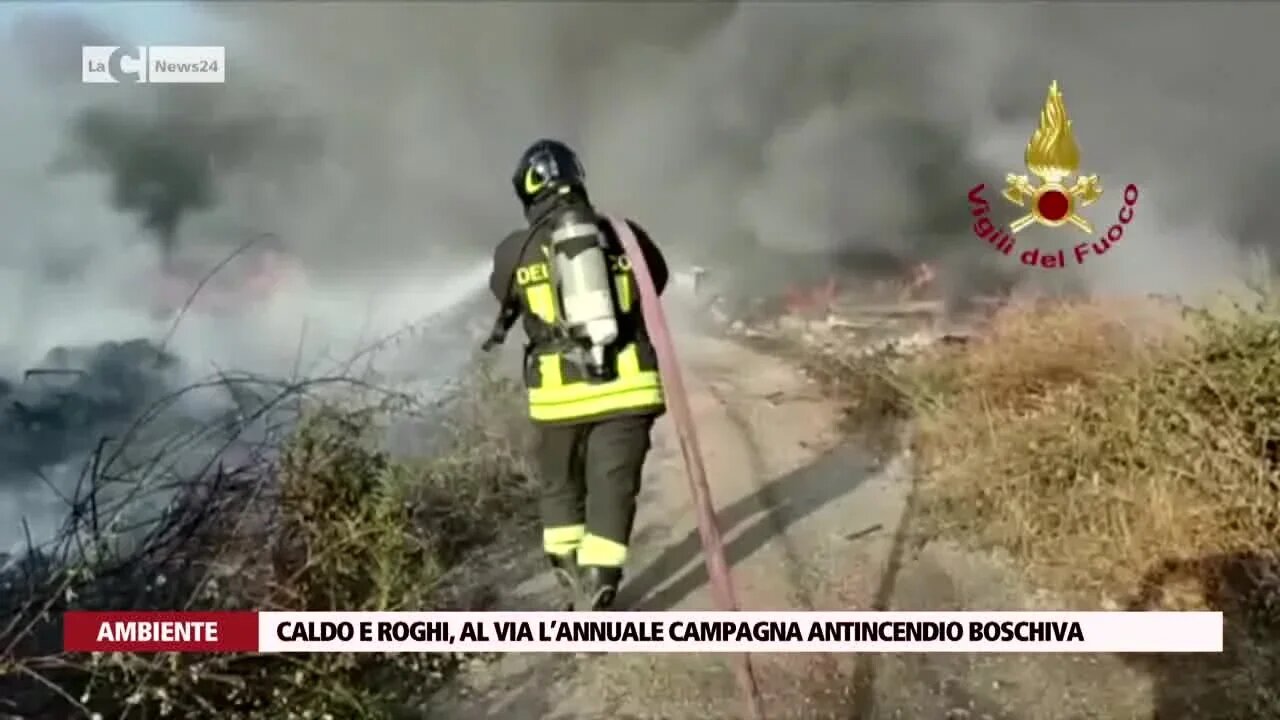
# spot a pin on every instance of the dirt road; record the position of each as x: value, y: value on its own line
x: 811, y: 520
x: 798, y: 508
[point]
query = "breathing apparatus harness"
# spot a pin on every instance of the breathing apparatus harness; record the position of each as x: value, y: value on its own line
x: 586, y: 328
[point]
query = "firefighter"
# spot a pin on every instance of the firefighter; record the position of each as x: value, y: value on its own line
x: 593, y: 386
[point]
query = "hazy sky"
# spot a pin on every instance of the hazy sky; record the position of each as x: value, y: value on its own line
x: 792, y: 125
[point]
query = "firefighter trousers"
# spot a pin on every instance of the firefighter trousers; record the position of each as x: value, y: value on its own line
x: 590, y: 479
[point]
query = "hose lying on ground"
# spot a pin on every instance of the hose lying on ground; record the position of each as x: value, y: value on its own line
x: 678, y: 405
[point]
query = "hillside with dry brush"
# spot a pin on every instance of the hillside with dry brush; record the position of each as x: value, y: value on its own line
x: 1124, y: 454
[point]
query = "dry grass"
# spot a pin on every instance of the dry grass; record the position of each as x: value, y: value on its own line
x: 1126, y: 454
x: 1122, y: 454
x: 1095, y: 448
x: 329, y: 522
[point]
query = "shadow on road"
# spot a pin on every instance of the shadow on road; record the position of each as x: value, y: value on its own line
x: 1244, y: 680
x: 862, y: 691
x: 752, y: 522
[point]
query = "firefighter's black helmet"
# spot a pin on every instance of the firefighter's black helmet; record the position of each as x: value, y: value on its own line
x: 548, y: 166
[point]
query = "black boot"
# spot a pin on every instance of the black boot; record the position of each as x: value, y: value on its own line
x: 599, y: 586
x: 564, y: 568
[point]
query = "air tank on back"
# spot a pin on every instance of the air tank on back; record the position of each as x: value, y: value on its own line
x: 580, y: 271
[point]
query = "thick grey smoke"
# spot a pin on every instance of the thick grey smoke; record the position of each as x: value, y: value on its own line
x: 851, y: 128
x: 375, y: 141
x: 119, y: 201
x: 165, y: 163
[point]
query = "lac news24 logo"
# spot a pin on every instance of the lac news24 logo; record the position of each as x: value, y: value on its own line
x: 153, y: 64
x: 1056, y: 201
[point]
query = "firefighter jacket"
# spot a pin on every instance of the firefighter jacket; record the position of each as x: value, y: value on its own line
x: 560, y: 390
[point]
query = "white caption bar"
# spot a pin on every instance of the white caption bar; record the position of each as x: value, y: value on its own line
x: 718, y: 632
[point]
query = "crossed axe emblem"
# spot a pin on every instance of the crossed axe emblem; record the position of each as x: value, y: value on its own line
x: 1018, y: 190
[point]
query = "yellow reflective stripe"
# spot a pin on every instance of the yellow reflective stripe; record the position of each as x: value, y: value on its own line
x: 575, y: 392
x: 634, y: 388
x: 629, y: 362
x: 549, y: 372
x: 623, y: 400
x: 623, y: 281
x: 541, y: 302
x: 562, y: 540
x: 601, y: 552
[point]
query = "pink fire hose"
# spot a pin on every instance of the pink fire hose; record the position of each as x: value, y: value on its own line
x: 722, y: 591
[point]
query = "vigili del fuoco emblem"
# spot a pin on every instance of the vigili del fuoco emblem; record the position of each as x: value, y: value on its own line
x: 1054, y: 157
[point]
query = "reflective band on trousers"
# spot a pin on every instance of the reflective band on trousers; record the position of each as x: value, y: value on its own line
x: 562, y: 540
x: 601, y: 552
